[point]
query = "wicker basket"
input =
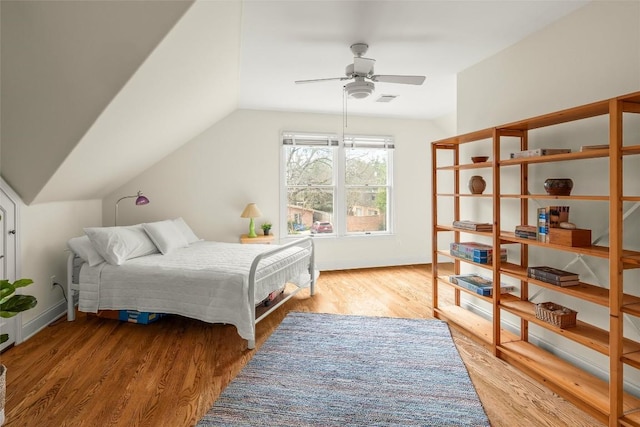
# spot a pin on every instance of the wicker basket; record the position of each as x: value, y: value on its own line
x: 556, y: 314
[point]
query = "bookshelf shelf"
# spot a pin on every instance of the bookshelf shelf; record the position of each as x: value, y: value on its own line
x: 547, y: 196
x: 605, y: 399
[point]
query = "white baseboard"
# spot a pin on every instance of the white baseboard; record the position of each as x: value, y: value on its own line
x: 353, y: 264
x: 34, y: 326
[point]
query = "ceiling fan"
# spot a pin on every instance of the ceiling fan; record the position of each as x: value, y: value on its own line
x: 361, y: 71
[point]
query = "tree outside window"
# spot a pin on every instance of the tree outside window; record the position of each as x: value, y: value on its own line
x: 345, y: 184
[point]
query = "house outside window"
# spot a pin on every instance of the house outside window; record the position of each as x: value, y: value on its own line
x: 336, y: 186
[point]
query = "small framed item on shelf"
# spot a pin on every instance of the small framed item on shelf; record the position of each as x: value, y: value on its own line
x: 556, y: 315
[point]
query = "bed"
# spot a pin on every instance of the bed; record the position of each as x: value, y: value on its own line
x: 215, y: 282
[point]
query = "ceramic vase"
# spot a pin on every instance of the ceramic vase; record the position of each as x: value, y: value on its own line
x: 477, y: 184
x: 558, y: 186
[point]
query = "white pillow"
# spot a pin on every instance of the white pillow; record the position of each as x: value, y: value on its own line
x: 82, y: 247
x: 165, y: 235
x: 118, y: 244
x: 186, y: 231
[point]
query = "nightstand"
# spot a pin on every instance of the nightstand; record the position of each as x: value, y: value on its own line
x: 259, y: 239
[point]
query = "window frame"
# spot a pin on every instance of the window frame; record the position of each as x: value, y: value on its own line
x: 340, y: 188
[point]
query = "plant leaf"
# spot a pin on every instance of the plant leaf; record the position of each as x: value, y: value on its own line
x: 6, y: 291
x: 3, y: 338
x: 22, y: 283
x: 16, y: 304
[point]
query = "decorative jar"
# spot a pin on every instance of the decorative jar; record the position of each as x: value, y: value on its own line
x: 558, y: 186
x: 477, y: 184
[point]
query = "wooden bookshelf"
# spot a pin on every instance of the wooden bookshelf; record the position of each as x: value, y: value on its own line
x: 605, y: 399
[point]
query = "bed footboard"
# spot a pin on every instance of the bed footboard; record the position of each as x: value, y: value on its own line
x: 307, y: 243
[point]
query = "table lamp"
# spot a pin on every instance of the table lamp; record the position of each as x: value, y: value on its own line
x: 251, y: 211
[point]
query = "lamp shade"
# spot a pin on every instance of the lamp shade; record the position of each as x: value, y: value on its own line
x: 251, y: 211
x: 141, y: 200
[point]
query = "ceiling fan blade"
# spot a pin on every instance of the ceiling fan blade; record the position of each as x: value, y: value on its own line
x: 363, y: 66
x: 407, y: 80
x: 322, y: 80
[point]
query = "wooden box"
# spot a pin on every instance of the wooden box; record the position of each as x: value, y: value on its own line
x: 564, y: 237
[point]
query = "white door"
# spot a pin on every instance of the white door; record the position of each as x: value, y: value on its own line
x: 8, y: 252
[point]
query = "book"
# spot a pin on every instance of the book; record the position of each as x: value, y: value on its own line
x: 594, y: 147
x: 479, y: 284
x: 539, y: 152
x: 543, y: 225
x: 526, y: 232
x: 556, y: 282
x: 472, y: 225
x: 476, y: 252
x: 480, y: 259
x: 526, y: 235
x: 550, y: 273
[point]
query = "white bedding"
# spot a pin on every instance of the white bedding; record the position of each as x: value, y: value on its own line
x: 206, y: 281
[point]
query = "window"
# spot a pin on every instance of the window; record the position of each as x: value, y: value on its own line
x: 336, y: 187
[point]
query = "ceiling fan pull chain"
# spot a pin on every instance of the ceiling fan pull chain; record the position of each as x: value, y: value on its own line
x: 344, y: 110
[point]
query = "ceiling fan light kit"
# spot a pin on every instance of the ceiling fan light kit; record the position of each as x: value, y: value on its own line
x: 359, y: 89
x: 361, y: 69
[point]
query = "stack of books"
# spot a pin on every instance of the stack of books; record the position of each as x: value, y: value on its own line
x: 594, y: 147
x: 478, y: 284
x: 526, y: 232
x: 539, y: 152
x: 476, y: 252
x: 472, y: 225
x: 554, y: 276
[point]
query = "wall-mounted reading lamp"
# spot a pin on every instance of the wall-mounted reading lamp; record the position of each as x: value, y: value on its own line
x: 140, y: 200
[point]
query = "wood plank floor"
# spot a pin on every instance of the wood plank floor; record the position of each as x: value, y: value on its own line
x: 101, y: 372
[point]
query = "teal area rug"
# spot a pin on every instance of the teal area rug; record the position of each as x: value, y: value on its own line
x: 335, y: 370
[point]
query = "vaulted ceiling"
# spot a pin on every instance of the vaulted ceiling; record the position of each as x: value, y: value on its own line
x: 95, y: 92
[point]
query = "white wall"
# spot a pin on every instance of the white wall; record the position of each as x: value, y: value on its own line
x: 211, y: 179
x: 45, y: 230
x: 590, y: 55
x: 62, y: 63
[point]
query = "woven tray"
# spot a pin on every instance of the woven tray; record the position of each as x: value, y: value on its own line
x: 556, y: 314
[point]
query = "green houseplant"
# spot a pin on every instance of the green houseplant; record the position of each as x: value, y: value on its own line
x: 10, y: 305
x: 266, y: 227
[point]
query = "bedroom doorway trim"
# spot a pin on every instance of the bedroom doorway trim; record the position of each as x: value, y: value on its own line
x: 10, y: 265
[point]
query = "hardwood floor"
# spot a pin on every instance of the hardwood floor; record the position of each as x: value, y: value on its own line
x: 101, y: 372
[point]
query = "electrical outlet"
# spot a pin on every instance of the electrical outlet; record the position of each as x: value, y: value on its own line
x: 52, y: 281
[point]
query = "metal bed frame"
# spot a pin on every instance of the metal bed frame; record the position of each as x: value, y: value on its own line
x: 73, y: 288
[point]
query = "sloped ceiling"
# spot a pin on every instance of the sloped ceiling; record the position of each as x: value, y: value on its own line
x: 93, y: 93
x: 96, y: 92
x: 61, y: 64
